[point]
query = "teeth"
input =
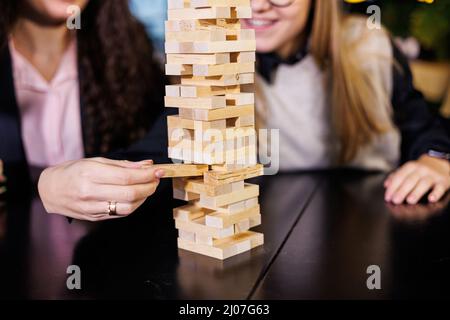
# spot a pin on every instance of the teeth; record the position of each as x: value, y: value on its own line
x: 259, y: 23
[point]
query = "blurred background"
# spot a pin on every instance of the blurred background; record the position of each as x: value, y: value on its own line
x: 421, y: 28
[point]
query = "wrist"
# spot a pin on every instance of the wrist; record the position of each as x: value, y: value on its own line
x: 44, y: 189
x: 437, y: 163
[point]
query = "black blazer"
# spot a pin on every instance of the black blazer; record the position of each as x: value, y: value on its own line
x: 153, y: 146
x: 421, y: 130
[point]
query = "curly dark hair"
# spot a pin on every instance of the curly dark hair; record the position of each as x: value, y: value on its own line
x: 121, y: 85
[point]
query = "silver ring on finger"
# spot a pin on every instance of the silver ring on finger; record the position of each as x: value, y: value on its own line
x: 112, y: 208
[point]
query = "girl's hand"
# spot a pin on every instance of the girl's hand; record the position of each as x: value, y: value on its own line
x: 416, y: 178
x: 83, y: 189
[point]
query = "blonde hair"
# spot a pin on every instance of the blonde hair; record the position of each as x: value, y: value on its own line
x: 356, y: 95
x: 359, y: 77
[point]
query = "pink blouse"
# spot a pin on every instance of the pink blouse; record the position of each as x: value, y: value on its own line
x: 50, y: 111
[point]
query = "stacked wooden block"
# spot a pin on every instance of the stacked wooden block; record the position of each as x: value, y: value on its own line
x: 213, y: 59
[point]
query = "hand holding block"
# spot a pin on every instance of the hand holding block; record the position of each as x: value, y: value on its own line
x: 182, y: 170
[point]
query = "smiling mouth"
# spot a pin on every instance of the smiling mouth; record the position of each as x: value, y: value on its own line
x: 259, y: 24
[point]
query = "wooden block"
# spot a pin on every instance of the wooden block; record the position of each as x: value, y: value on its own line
x: 177, y: 135
x: 225, y: 248
x: 198, y: 35
x: 178, y: 69
x: 184, y: 195
x: 217, y: 114
x: 242, y: 226
x: 241, y: 34
x: 215, y: 102
x: 245, y: 121
x: 202, y: 24
x: 218, y: 177
x: 209, y: 47
x: 207, y: 91
x: 227, y: 167
x: 223, y: 69
x: 237, y: 134
x: 173, y: 91
x: 210, y: 13
x: 240, y: 99
x: 232, y: 208
x: 241, y: 156
x: 189, y: 155
x: 178, y: 4
x: 178, y: 122
x: 189, y: 212
x: 199, y: 59
x: 224, y: 220
x: 250, y: 203
x: 198, y: 226
x: 219, y: 81
x: 186, y: 235
x: 190, y: 185
x: 227, y: 24
x: 219, y: 3
x: 242, y: 57
x: 241, y: 13
x: 181, y: 170
x: 221, y: 145
x: 212, y: 139
x: 197, y: 186
x: 237, y: 186
x: 212, y: 251
x: 202, y: 239
x: 255, y: 221
x: 224, y: 46
x: 202, y: 13
x: 209, y: 141
x: 250, y: 191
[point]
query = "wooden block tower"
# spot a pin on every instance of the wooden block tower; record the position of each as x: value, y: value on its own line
x: 213, y: 60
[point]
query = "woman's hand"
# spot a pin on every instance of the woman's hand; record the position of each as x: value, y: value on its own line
x: 416, y: 178
x: 83, y: 189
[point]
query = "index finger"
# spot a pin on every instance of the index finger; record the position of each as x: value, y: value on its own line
x: 114, y: 175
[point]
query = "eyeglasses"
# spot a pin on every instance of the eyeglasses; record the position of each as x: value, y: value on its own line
x: 281, y: 3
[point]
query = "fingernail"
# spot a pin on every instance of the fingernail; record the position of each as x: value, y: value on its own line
x: 159, y: 173
x: 432, y: 198
x: 411, y: 200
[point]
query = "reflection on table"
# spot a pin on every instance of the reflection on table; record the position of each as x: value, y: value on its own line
x: 322, y: 230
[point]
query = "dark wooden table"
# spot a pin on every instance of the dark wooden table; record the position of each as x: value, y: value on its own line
x: 322, y: 231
